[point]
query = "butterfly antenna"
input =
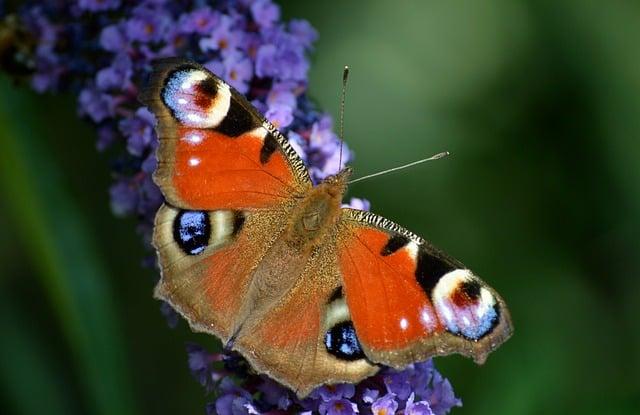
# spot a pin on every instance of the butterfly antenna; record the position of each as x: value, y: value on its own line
x: 345, y: 76
x: 380, y: 173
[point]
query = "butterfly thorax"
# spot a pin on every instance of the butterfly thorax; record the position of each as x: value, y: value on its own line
x: 317, y: 213
x: 310, y: 221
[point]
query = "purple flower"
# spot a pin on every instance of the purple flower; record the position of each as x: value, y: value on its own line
x: 274, y: 394
x: 282, y: 62
x: 148, y: 25
x: 397, y: 383
x: 265, y: 13
x: 224, y: 39
x: 238, y: 70
x: 233, y: 400
x: 234, y: 405
x: 328, y: 392
x: 370, y: 395
x: 280, y: 116
x: 386, y: 405
x: 124, y: 198
x: 113, y: 38
x: 97, y: 105
x: 169, y: 313
x: 139, y: 131
x: 337, y: 406
x: 175, y: 42
x: 202, y: 21
x: 283, y: 94
x: 417, y: 408
x: 117, y: 75
x: 200, y: 362
x: 303, y: 32
x: 441, y: 397
x: 98, y: 5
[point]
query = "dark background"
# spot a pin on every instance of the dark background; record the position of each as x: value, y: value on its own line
x: 539, y: 104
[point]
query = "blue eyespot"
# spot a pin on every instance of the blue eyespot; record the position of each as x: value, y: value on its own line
x: 191, y: 231
x: 342, y: 342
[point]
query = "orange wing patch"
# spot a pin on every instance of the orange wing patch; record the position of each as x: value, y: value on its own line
x: 216, y: 151
x: 214, y: 171
x: 388, y: 307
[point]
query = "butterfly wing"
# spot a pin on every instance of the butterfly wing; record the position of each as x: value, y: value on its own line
x: 310, y: 336
x: 229, y: 179
x: 216, y: 151
x: 408, y: 300
x: 207, y: 261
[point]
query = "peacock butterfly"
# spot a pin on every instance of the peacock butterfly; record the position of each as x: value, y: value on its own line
x: 307, y: 291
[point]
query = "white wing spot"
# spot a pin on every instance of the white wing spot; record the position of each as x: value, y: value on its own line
x: 404, y: 323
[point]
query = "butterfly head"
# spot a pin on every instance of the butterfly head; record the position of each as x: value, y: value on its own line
x: 336, y: 184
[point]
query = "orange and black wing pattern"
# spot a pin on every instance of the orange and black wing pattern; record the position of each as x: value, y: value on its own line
x: 408, y: 301
x: 216, y: 151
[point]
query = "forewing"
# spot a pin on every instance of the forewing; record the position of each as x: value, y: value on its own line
x: 408, y: 300
x: 216, y: 151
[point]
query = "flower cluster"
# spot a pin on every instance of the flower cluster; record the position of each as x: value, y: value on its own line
x: 102, y: 51
x: 418, y: 390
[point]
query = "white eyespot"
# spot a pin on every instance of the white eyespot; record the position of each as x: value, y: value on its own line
x: 193, y: 106
x: 193, y: 161
x: 464, y: 305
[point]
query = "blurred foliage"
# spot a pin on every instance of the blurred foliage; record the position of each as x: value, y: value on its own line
x: 539, y: 103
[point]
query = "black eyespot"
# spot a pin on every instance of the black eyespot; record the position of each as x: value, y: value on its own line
x: 342, y: 342
x: 191, y: 231
x: 471, y: 288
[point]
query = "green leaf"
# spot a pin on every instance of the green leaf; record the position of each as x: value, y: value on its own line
x: 63, y: 251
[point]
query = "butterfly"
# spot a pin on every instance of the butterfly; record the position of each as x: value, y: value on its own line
x: 308, y: 291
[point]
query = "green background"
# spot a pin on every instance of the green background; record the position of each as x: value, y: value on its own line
x: 539, y: 104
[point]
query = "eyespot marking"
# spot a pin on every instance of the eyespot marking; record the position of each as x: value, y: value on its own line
x: 195, y: 98
x: 464, y: 306
x: 341, y: 341
x: 192, y: 231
